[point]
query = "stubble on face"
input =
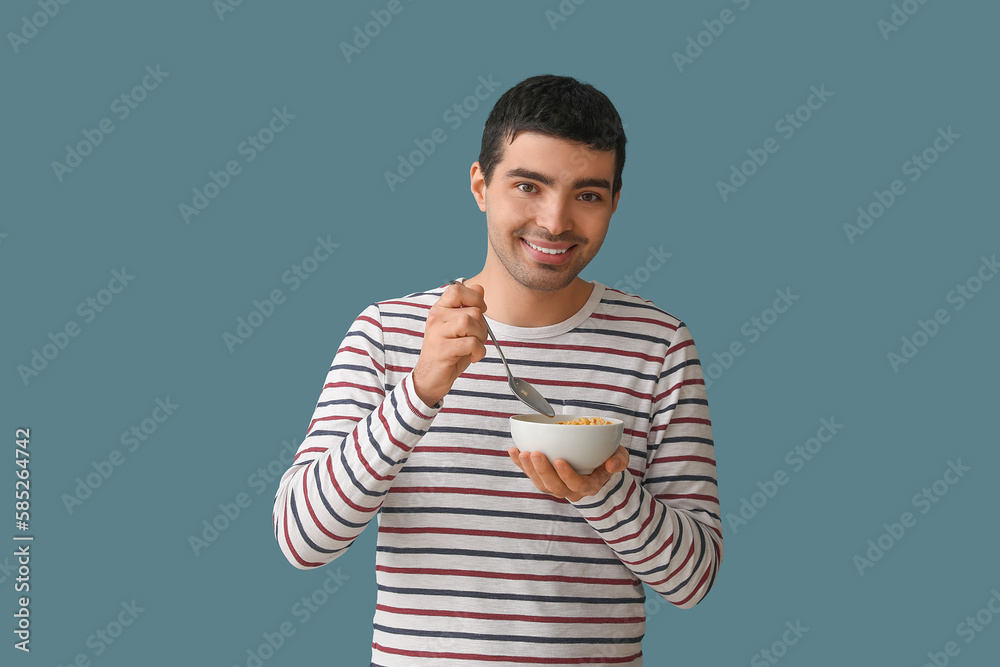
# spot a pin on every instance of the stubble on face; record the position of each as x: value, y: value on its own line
x: 537, y: 276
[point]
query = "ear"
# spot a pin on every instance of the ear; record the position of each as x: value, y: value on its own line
x: 478, y: 185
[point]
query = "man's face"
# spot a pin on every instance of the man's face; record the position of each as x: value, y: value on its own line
x: 552, y: 194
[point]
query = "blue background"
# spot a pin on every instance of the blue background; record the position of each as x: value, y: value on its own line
x: 323, y: 176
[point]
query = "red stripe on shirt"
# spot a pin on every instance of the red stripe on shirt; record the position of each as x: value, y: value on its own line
x: 474, y: 492
x: 559, y: 383
x: 514, y: 576
x: 680, y: 346
x: 682, y: 420
x: 645, y: 320
x: 427, y: 530
x: 676, y: 459
x: 617, y: 352
x: 697, y: 588
x: 652, y: 513
x: 352, y: 418
x: 462, y: 450
x: 409, y: 401
x: 291, y: 548
x: 337, y: 385
x: 478, y: 413
x: 678, y: 568
x: 667, y: 543
x: 309, y: 450
x: 388, y: 431
x: 693, y: 496
x: 505, y: 658
x: 364, y: 354
x: 425, y: 306
x: 405, y: 332
x: 660, y: 397
x: 364, y: 461
x: 375, y: 323
x: 510, y: 617
x: 340, y: 492
x: 631, y: 489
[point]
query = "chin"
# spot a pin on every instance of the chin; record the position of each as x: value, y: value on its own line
x: 545, y: 279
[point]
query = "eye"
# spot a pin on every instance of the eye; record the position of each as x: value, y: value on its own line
x: 593, y: 196
x: 522, y: 186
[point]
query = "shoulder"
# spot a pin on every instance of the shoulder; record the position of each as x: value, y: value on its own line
x: 617, y: 305
x: 413, y: 306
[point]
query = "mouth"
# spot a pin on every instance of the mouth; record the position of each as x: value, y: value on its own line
x: 548, y: 254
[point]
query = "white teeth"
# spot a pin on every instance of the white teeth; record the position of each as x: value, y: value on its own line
x: 547, y: 251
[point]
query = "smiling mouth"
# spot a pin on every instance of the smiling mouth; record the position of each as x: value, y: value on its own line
x: 548, y: 251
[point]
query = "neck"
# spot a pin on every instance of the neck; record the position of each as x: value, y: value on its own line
x: 510, y: 302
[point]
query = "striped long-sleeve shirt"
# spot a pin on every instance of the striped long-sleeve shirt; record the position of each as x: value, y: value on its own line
x: 474, y: 565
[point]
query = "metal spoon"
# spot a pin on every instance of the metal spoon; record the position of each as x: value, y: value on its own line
x: 524, y: 391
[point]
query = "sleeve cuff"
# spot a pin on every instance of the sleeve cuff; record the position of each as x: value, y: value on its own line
x: 616, y: 493
x: 414, y: 410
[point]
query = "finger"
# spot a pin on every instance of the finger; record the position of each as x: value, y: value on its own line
x: 459, y: 295
x: 515, y: 455
x: 466, y: 348
x: 586, y: 485
x: 528, y: 466
x: 574, y: 481
x: 479, y: 302
x: 618, y: 461
x: 464, y: 322
x: 451, y: 296
x: 547, y: 474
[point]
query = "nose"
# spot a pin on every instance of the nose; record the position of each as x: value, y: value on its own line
x: 554, y: 215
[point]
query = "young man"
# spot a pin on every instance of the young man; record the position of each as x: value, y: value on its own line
x: 486, y: 555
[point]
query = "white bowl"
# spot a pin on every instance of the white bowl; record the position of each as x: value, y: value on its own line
x: 583, y: 446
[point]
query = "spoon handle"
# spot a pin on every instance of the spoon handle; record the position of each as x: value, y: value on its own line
x: 497, y: 345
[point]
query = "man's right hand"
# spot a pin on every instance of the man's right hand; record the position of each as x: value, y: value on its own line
x: 454, y: 337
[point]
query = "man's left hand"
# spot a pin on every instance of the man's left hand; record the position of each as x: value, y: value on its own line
x: 560, y: 480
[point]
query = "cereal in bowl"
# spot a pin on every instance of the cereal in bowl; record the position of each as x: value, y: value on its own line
x: 586, y: 421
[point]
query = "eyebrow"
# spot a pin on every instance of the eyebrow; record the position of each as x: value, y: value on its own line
x: 521, y: 172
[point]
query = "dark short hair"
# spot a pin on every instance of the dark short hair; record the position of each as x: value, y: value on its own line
x: 557, y: 106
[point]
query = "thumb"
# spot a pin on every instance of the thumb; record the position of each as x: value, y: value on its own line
x: 620, y: 460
